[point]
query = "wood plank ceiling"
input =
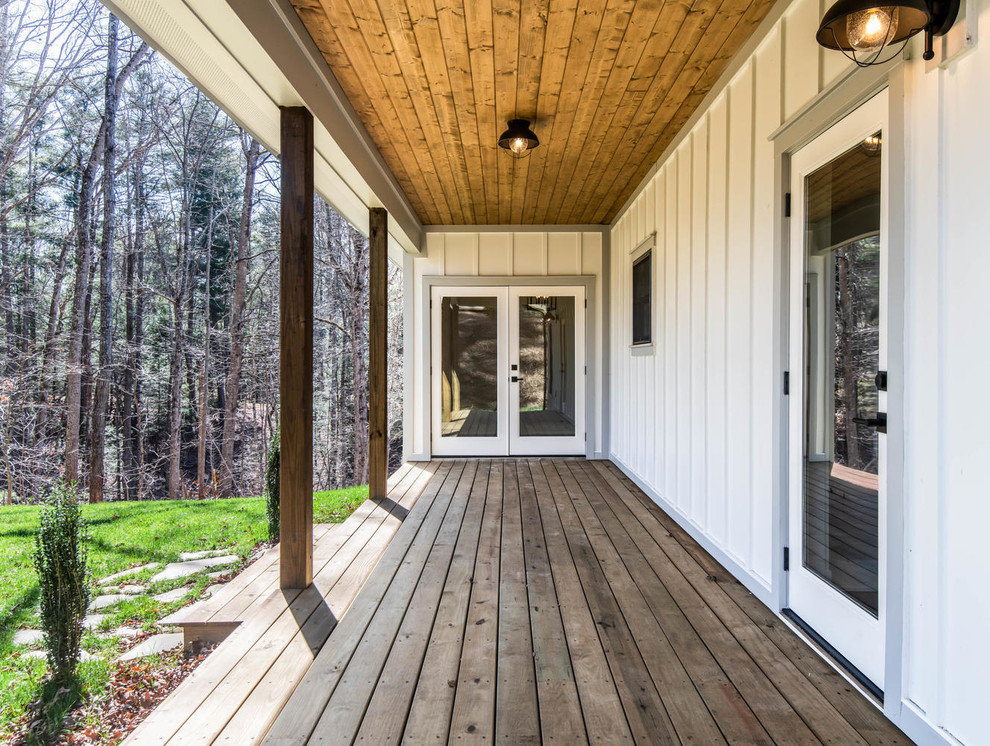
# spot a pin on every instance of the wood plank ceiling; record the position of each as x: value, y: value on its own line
x: 607, y: 84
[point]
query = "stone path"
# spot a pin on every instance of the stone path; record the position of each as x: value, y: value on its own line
x: 189, y: 565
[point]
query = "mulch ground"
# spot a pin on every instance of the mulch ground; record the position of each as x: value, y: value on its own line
x: 135, y: 689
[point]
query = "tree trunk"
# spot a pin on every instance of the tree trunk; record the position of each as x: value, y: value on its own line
x: 232, y: 391
x: 84, y: 260
x: 101, y: 397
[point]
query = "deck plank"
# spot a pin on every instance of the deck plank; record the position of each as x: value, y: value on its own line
x: 725, y: 700
x: 819, y: 715
x: 561, y: 720
x: 432, y: 705
x: 299, y: 718
x: 391, y: 692
x: 648, y: 718
x: 604, y: 717
x: 517, y: 714
x: 473, y: 716
x: 690, y: 716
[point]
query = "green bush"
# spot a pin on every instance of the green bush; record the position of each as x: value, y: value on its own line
x: 60, y: 559
x: 271, y: 488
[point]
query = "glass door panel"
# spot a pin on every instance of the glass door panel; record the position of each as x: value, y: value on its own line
x: 547, y: 372
x: 469, y: 367
x: 469, y: 413
x: 841, y: 490
x: 546, y: 366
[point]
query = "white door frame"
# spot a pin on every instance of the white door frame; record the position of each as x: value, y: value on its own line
x: 548, y: 445
x: 423, y: 355
x: 851, y: 630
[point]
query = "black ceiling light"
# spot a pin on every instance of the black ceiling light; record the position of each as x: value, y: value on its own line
x: 871, y: 34
x: 518, y: 139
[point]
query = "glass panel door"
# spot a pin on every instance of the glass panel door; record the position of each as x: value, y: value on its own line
x: 547, y: 373
x: 469, y: 357
x: 838, y: 340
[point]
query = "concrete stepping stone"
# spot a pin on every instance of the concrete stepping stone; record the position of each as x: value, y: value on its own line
x: 176, y: 570
x: 127, y: 573
x: 133, y: 590
x: 188, y: 556
x: 154, y: 644
x: 126, y: 632
x: 92, y: 621
x: 105, y: 602
x: 173, y: 595
x: 217, y: 574
x: 83, y: 655
x: 211, y: 589
x: 28, y: 637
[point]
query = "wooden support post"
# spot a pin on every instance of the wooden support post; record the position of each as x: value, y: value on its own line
x: 296, y: 350
x: 378, y: 355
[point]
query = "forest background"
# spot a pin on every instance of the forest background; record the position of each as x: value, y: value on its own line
x: 139, y: 230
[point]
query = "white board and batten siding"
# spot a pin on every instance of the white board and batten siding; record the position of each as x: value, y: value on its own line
x: 505, y: 253
x: 694, y: 422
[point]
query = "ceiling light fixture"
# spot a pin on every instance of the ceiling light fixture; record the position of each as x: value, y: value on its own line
x: 871, y: 34
x: 518, y: 139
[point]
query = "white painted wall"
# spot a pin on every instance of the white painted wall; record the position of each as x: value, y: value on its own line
x: 694, y: 422
x: 495, y: 253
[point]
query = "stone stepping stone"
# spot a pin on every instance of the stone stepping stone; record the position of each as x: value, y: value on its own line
x: 211, y: 589
x: 133, y: 590
x: 188, y: 556
x: 126, y: 633
x: 105, y: 602
x: 217, y: 574
x: 92, y: 621
x: 28, y: 637
x: 169, y: 596
x: 154, y: 644
x: 83, y: 655
x: 127, y: 573
x: 176, y: 570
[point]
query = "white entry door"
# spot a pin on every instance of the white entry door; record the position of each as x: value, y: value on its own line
x: 546, y: 370
x: 508, y: 371
x: 837, y: 403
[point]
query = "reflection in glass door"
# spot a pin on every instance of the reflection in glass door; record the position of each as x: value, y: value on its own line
x: 837, y: 420
x: 547, y: 373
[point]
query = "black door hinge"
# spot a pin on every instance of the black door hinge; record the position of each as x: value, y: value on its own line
x: 787, y: 559
x: 787, y: 383
x: 787, y: 205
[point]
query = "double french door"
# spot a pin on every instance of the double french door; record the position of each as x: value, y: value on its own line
x: 508, y: 370
x: 838, y: 362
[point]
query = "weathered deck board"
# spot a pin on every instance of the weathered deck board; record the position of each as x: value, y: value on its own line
x: 527, y: 601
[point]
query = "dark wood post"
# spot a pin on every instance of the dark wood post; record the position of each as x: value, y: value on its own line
x: 296, y: 350
x: 378, y: 355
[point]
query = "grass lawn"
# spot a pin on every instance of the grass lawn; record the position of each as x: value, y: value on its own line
x: 122, y: 535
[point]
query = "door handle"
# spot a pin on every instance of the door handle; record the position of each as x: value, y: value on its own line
x: 879, y: 421
x: 514, y: 379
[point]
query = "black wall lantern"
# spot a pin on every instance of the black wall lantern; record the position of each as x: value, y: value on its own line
x: 871, y: 34
x: 518, y: 139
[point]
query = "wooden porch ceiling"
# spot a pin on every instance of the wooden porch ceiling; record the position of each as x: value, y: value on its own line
x: 607, y: 83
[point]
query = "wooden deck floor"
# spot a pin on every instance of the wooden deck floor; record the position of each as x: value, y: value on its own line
x: 549, y: 601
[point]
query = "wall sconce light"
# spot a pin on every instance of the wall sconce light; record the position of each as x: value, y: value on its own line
x: 862, y: 30
x: 518, y: 139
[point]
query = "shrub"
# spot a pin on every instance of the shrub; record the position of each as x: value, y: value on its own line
x: 271, y: 488
x: 60, y: 559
